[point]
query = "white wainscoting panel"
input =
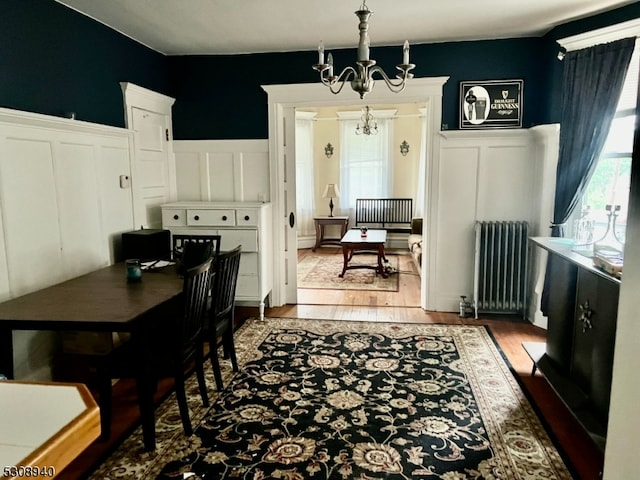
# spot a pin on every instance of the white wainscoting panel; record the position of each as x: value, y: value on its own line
x: 458, y: 177
x: 505, y: 174
x: 222, y: 170
x: 30, y: 214
x: 115, y: 202
x: 188, y: 176
x: 223, y: 175
x: 82, y: 242
x: 482, y: 175
x: 62, y: 211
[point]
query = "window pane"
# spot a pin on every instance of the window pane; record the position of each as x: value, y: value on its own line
x: 630, y: 88
x: 609, y: 186
x: 620, y: 139
x: 364, y: 162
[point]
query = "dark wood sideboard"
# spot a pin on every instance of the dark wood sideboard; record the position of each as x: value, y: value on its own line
x: 577, y: 358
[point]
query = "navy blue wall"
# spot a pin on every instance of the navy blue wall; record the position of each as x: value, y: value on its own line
x: 196, y: 80
x: 54, y: 60
x: 212, y: 90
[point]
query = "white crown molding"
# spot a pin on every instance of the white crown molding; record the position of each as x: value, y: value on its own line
x: 503, y: 133
x: 316, y: 94
x: 357, y: 114
x: 545, y: 131
x: 144, y: 98
x: 302, y: 115
x: 608, y: 34
x: 39, y: 120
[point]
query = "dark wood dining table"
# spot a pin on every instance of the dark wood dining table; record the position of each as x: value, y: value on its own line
x: 103, y: 301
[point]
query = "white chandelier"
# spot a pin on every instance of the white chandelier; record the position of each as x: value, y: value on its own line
x: 369, y: 126
x: 361, y: 77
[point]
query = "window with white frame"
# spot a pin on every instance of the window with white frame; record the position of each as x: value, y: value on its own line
x: 365, y: 160
x: 610, y: 182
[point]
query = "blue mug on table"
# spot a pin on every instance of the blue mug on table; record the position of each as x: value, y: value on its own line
x: 134, y: 270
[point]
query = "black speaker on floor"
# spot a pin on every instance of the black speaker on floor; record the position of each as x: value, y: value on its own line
x: 147, y: 244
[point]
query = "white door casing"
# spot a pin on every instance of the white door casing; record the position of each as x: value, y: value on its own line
x: 153, y: 177
x: 290, y: 208
x: 282, y: 102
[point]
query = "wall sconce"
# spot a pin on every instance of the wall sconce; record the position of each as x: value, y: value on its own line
x: 404, y: 148
x: 328, y: 150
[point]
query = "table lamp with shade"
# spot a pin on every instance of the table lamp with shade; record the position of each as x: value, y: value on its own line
x: 331, y: 191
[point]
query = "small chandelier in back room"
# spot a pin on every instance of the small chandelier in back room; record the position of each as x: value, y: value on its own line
x: 361, y: 77
x: 369, y: 125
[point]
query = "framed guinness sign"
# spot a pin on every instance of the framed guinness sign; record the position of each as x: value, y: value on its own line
x: 491, y: 104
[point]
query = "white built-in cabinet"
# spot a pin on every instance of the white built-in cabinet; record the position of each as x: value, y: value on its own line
x: 249, y: 224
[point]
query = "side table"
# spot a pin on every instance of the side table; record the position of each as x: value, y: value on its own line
x: 321, y: 222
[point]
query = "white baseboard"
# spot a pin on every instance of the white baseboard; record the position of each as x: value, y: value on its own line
x: 306, y: 242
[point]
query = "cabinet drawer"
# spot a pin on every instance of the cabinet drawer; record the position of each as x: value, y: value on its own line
x: 247, y: 286
x: 247, y: 217
x: 174, y: 217
x: 232, y: 238
x: 248, y: 264
x: 209, y: 218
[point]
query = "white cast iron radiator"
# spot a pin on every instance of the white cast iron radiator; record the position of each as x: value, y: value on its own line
x: 500, y: 274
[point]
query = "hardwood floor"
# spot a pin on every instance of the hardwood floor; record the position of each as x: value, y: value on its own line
x: 408, y: 294
x: 508, y: 332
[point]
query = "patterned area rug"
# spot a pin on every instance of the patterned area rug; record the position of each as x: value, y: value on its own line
x: 341, y: 400
x: 322, y: 272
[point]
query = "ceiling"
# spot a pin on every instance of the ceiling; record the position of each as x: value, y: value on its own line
x: 194, y: 27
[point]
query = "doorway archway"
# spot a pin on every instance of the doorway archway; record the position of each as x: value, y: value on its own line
x: 282, y: 102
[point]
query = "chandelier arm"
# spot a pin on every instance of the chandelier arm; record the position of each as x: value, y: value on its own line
x: 395, y: 87
x: 340, y: 80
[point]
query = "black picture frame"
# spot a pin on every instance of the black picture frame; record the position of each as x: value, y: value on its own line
x: 491, y: 104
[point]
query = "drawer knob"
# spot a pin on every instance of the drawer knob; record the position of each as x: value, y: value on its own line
x: 197, y: 217
x: 246, y: 218
x: 176, y: 217
x: 224, y: 218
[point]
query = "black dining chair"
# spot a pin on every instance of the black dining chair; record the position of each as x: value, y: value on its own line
x: 191, y: 250
x: 221, y: 312
x: 176, y: 345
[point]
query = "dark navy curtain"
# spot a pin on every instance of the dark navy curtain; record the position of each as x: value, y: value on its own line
x: 591, y: 87
x: 592, y: 83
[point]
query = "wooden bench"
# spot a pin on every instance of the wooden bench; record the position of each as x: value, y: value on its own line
x: 391, y: 214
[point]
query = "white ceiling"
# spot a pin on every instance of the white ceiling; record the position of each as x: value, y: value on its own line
x: 179, y: 27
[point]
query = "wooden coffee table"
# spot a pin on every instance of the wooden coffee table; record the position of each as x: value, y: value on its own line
x: 354, y: 242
